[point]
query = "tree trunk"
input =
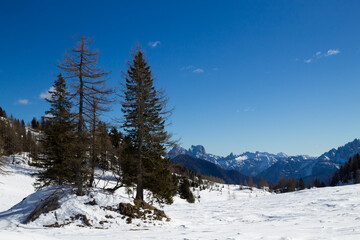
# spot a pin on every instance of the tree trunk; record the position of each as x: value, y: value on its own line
x: 139, y: 186
x: 79, y: 179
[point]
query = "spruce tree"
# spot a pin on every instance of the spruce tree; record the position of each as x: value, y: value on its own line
x: 145, y: 115
x: 60, y: 139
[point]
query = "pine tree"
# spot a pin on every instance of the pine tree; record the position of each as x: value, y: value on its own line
x: 88, y: 82
x: 60, y: 139
x: 145, y: 115
x: 301, y: 184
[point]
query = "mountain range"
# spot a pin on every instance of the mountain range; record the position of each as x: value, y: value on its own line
x: 274, y: 166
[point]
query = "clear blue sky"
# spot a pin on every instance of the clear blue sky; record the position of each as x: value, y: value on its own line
x: 242, y: 75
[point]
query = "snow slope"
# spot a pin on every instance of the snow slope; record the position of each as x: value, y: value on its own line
x: 225, y: 212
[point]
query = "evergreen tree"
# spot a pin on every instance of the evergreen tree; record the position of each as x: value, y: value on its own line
x: 145, y: 115
x: 2, y: 113
x: 60, y: 139
x: 34, y: 123
x: 184, y: 190
x: 301, y: 184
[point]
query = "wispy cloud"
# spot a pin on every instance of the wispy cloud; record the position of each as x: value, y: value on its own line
x: 331, y: 52
x: 154, y: 44
x: 189, y: 67
x: 46, y: 95
x: 320, y: 54
x: 215, y: 69
x: 23, y: 101
x: 198, y: 70
x: 192, y: 69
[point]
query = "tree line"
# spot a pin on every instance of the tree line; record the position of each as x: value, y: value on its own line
x: 14, y: 137
x: 348, y: 173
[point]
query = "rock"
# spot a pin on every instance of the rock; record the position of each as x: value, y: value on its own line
x: 92, y: 203
x: 50, y: 204
x: 84, y: 219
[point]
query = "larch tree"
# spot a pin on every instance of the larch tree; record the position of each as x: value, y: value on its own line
x: 88, y: 85
x: 60, y: 139
x: 145, y: 115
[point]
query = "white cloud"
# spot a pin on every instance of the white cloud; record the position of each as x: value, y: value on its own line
x: 154, y: 44
x: 23, y: 101
x: 187, y: 68
x: 332, y: 52
x: 46, y: 95
x: 198, y: 70
x: 319, y: 55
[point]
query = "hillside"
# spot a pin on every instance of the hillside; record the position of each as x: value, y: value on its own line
x: 223, y: 212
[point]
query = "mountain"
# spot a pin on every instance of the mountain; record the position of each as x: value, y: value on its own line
x: 207, y: 168
x: 298, y: 166
x: 250, y: 164
x: 322, y: 167
x: 197, y: 151
x: 274, y: 166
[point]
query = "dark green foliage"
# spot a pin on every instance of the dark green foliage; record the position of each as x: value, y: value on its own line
x: 59, y: 142
x: 115, y: 137
x: 2, y: 113
x: 184, y: 190
x: 35, y: 123
x: 289, y: 185
x: 13, y: 136
x: 349, y: 172
x: 145, y: 114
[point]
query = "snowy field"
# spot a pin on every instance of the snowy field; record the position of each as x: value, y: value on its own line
x: 226, y: 212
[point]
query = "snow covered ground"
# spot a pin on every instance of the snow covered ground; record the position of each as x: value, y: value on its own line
x: 226, y: 212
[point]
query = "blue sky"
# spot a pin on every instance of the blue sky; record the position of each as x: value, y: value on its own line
x: 242, y: 75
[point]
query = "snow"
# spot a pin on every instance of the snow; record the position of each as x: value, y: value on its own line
x: 241, y: 158
x: 224, y: 212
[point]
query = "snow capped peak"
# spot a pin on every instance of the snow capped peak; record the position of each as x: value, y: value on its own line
x: 241, y: 158
x: 282, y: 155
x: 198, y: 149
x: 176, y: 150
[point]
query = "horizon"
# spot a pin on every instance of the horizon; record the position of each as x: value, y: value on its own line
x: 274, y: 153
x: 242, y: 76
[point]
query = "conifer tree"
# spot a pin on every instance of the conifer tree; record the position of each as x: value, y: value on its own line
x: 145, y: 115
x: 60, y: 139
x: 301, y: 184
x: 87, y: 82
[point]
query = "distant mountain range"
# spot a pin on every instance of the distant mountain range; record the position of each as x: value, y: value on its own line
x: 207, y: 168
x: 274, y: 166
